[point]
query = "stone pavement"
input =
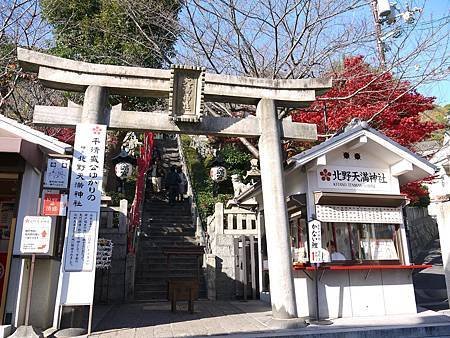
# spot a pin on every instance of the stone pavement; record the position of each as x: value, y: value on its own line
x: 251, y: 319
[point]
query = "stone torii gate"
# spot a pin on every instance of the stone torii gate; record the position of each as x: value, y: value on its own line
x: 187, y: 88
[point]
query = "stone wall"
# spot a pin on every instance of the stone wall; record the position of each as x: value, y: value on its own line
x: 422, y: 230
x: 221, y: 268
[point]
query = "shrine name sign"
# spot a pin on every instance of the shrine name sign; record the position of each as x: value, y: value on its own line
x: 353, y: 178
x: 80, y: 247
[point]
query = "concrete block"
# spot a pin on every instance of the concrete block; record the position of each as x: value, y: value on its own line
x: 224, y: 240
x: 366, y: 293
x: 27, y: 332
x: 335, y: 300
x: 302, y: 294
x: 398, y: 292
x: 5, y: 330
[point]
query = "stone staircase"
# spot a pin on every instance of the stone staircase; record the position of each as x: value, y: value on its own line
x: 165, y: 227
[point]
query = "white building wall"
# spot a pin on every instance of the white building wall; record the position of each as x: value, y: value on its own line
x: 46, y: 270
x: 29, y: 195
x: 355, y: 293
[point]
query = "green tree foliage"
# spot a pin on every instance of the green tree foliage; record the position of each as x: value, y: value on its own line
x: 118, y: 32
x: 236, y: 161
x: 125, y: 32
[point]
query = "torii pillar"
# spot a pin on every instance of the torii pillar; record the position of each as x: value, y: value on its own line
x: 187, y: 88
x: 282, y: 292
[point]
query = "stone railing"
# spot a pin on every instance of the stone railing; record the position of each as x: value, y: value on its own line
x: 199, y: 231
x: 233, y: 221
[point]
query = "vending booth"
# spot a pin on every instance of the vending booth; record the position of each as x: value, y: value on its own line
x: 347, y: 229
x: 23, y: 155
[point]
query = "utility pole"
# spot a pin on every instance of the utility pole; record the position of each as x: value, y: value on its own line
x: 380, y: 44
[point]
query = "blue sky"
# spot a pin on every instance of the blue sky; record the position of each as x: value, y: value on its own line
x: 441, y: 89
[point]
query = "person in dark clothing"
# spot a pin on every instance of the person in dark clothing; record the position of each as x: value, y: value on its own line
x: 172, y: 181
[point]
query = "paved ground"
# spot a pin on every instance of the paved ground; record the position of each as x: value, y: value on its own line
x: 252, y: 319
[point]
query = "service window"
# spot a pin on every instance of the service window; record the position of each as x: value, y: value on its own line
x: 368, y: 242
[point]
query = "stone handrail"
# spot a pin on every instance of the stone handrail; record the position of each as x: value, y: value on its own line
x: 107, y: 220
x: 196, y: 219
x: 234, y: 221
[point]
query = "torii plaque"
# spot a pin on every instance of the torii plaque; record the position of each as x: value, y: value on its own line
x: 187, y: 88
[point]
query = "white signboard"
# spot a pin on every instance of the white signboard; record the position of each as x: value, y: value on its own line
x: 36, y: 235
x: 356, y: 214
x: 80, y: 246
x: 315, y: 242
x: 353, y: 178
x: 379, y: 249
x: 57, y: 174
x: 80, y: 241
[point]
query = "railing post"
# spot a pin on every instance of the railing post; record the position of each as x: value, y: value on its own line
x: 123, y: 216
x: 218, y: 212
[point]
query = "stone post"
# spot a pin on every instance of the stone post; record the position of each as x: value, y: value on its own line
x: 218, y: 214
x: 94, y: 105
x: 282, y: 291
x: 95, y: 111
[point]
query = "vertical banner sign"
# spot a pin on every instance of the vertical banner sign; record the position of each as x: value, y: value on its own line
x: 83, y: 214
x: 315, y: 241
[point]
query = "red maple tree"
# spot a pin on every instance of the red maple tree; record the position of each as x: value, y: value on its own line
x: 373, y: 95
x: 377, y: 96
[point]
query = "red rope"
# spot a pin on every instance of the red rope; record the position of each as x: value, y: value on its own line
x: 143, y: 164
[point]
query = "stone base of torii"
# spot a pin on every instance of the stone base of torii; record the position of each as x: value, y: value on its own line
x: 187, y: 88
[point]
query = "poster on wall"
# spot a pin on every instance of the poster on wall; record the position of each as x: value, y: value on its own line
x: 57, y: 174
x: 53, y: 203
x: 36, y: 232
x: 80, y: 246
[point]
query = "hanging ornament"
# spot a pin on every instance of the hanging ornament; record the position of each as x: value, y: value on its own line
x: 123, y: 170
x: 218, y: 173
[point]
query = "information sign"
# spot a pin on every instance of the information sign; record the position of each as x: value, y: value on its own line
x: 80, y: 246
x: 36, y: 235
x: 53, y: 203
x: 57, y: 174
x: 315, y: 242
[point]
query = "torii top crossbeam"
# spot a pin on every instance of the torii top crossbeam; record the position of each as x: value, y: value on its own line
x: 186, y: 87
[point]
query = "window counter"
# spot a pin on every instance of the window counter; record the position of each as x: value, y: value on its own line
x: 361, y: 267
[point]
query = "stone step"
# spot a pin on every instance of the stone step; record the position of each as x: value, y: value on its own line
x: 150, y: 295
x: 167, y: 240
x: 163, y: 206
x: 163, y: 273
x: 170, y: 221
x: 166, y: 210
x: 148, y: 276
x: 162, y: 259
x: 161, y: 229
x: 164, y: 231
x: 149, y: 233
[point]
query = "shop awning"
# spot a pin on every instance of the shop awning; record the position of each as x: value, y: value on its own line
x: 27, y: 150
x: 367, y: 200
